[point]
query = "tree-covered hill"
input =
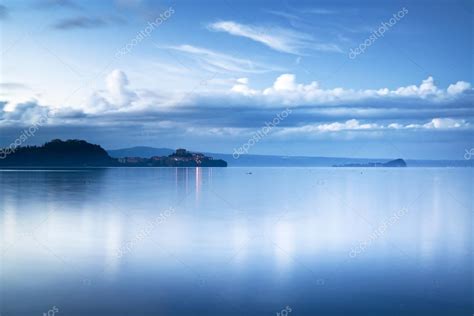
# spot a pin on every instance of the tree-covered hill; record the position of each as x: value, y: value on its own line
x: 58, y: 153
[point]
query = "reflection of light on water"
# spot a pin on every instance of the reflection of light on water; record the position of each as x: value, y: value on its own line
x: 198, y: 183
x: 284, y: 240
x: 438, y: 228
x: 9, y: 226
x: 429, y: 227
x: 186, y: 171
x: 113, y: 242
x: 176, y: 179
x: 182, y: 180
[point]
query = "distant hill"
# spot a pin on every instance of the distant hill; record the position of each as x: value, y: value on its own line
x: 58, y: 153
x: 395, y: 163
x: 389, y: 164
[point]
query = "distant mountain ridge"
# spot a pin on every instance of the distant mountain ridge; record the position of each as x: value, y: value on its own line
x: 287, y: 161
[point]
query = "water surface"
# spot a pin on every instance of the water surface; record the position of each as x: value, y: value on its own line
x: 236, y: 241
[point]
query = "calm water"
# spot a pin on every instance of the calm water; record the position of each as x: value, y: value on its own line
x: 295, y: 241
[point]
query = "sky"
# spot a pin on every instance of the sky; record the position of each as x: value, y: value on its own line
x: 377, y: 79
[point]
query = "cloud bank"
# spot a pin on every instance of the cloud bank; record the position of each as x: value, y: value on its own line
x: 285, y: 90
x: 241, y: 109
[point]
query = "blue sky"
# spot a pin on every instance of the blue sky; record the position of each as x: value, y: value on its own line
x: 208, y: 76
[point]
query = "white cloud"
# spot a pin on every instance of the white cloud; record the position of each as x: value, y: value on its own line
x: 426, y: 88
x: 219, y: 62
x: 356, y: 125
x: 459, y: 87
x: 285, y: 82
x: 241, y: 87
x: 352, y: 124
x: 117, y: 96
x: 117, y: 85
x: 436, y: 123
x: 279, y: 39
x: 243, y: 80
x: 395, y: 126
x: 446, y: 123
x: 349, y: 125
x: 285, y: 90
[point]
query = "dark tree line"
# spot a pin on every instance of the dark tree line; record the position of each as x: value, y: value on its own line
x: 75, y: 153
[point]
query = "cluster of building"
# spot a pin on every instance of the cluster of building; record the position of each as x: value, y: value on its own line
x: 180, y: 158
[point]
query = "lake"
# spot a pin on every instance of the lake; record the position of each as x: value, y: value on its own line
x: 236, y: 241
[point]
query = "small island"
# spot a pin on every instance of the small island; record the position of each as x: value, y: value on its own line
x: 79, y: 153
x: 392, y: 163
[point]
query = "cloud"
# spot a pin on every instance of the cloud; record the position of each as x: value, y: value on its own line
x: 243, y: 81
x: 285, y: 90
x: 26, y: 113
x: 218, y: 62
x: 459, y: 87
x: 116, y: 97
x: 446, y: 123
x: 13, y: 86
x: 282, y: 14
x: 241, y: 87
x: 356, y: 125
x: 436, y: 123
x: 279, y: 39
x: 81, y: 22
x: 411, y: 109
x: 117, y: 85
x: 426, y: 88
x: 352, y: 124
x: 3, y: 12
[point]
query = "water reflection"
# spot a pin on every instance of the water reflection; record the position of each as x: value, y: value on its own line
x: 277, y: 231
